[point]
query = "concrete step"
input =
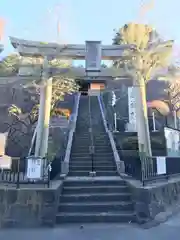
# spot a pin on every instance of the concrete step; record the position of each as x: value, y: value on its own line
x: 87, y: 151
x: 98, y: 173
x: 96, y: 161
x: 87, y: 158
x: 89, y: 168
x: 97, y: 154
x: 74, y: 163
x: 95, y: 207
x: 98, y: 147
x: 95, y: 189
x: 96, y: 197
x: 91, y: 217
x: 88, y: 140
x: 84, y: 145
x: 88, y: 135
x: 94, y: 182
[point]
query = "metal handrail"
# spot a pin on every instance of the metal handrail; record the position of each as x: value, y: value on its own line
x: 91, y: 147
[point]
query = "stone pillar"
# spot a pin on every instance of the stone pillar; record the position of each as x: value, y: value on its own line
x: 44, y: 112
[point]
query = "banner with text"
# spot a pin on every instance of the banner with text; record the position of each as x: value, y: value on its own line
x: 93, y: 55
x: 132, y: 107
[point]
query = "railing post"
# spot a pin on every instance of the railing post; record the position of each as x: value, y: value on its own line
x: 154, y: 122
x: 18, y: 172
x: 91, y: 148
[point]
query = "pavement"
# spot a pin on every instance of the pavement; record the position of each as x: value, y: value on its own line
x: 165, y: 231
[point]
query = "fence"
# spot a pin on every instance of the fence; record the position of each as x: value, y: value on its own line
x: 152, y: 169
x: 17, y: 174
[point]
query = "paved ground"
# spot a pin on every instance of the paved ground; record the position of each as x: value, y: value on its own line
x: 166, y: 231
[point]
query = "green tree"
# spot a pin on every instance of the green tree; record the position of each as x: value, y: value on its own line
x: 11, y: 62
x: 148, y: 55
x: 61, y: 86
x: 10, y: 65
x: 173, y: 92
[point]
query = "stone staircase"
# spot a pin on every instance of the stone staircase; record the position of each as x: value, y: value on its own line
x: 91, y: 200
x: 81, y: 160
x: 104, y: 198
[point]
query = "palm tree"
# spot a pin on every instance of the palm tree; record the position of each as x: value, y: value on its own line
x: 148, y: 55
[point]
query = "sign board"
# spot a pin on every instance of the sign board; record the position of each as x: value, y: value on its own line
x: 113, y: 98
x: 161, y: 165
x: 93, y: 56
x: 3, y: 141
x: 132, y: 106
x: 5, y: 162
x: 172, y: 140
x: 34, y: 168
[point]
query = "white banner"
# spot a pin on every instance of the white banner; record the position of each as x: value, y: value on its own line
x: 132, y: 106
x: 93, y: 55
x: 34, y: 168
x: 5, y: 162
x: 172, y: 139
x: 161, y: 165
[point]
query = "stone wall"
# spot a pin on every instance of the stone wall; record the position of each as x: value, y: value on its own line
x: 29, y: 207
x: 127, y: 144
x: 151, y: 201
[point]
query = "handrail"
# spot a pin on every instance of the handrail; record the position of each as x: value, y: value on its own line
x: 119, y: 163
x: 91, y: 147
x: 65, y: 163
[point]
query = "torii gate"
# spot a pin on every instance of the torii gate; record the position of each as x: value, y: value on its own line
x: 92, y: 52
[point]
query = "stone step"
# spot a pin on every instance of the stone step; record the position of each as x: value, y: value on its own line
x: 98, y: 132
x: 97, y: 154
x: 98, y: 173
x: 82, y: 140
x: 89, y: 168
x: 93, y: 182
x: 82, y: 144
x: 95, y: 207
x: 87, y: 158
x: 91, y: 217
x: 97, y: 197
x: 95, y: 189
x: 89, y: 163
x: 96, y: 161
x: 85, y: 145
x: 88, y: 136
x: 87, y: 151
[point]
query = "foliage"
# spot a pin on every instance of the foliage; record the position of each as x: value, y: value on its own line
x: 149, y: 54
x: 10, y: 65
x: 173, y: 91
x: 60, y: 87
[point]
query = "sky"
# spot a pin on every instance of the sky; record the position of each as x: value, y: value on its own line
x: 82, y: 20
